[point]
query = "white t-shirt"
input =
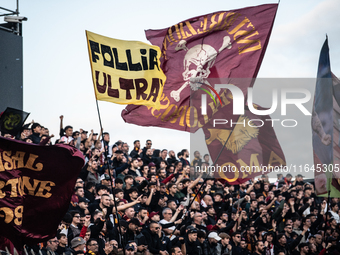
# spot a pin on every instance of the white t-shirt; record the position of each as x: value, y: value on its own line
x: 66, y: 139
x: 171, y: 228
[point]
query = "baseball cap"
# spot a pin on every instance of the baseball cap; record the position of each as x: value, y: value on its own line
x: 130, y: 247
x: 152, y: 164
x: 215, y: 236
x: 105, y: 177
x: 77, y: 241
x: 153, y: 214
x: 83, y: 199
x: 192, y: 231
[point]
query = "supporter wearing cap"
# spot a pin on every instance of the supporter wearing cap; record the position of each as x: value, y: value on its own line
x: 81, y: 206
x: 77, y: 246
x: 83, y: 135
x: 213, y: 243
x: 105, y: 180
x: 154, y: 216
x: 192, y: 245
x: 219, y: 205
x: 152, y: 168
x: 129, y: 249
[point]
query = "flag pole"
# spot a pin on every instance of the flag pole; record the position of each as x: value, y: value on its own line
x: 205, y: 179
x: 219, y: 154
x: 108, y: 167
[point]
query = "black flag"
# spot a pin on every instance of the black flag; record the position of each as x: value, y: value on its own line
x: 11, y: 121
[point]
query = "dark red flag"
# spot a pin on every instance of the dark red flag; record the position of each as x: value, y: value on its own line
x: 225, y: 44
x: 252, y: 148
x: 36, y: 184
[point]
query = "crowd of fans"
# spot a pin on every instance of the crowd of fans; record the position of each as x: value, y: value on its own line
x: 162, y: 208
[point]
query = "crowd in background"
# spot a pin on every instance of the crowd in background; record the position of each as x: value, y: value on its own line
x: 163, y: 205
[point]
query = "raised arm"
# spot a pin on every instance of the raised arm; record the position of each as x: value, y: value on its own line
x: 61, y: 133
x: 123, y: 207
x: 194, y: 183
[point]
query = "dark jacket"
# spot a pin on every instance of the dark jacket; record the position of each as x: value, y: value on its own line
x: 288, y: 248
x: 193, y: 248
x: 171, y: 160
x: 35, y: 137
x: 153, y: 241
x: 70, y: 251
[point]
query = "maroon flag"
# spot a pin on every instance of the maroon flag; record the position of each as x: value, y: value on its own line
x: 36, y: 184
x: 252, y: 147
x: 225, y: 44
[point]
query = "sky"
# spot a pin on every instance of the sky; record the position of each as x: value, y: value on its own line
x: 57, y: 74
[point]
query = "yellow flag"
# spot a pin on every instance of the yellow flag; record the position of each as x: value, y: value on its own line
x: 125, y: 72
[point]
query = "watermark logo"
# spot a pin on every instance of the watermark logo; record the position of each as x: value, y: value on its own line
x: 239, y: 100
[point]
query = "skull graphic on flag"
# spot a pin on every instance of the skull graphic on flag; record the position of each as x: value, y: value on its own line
x: 223, y: 45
